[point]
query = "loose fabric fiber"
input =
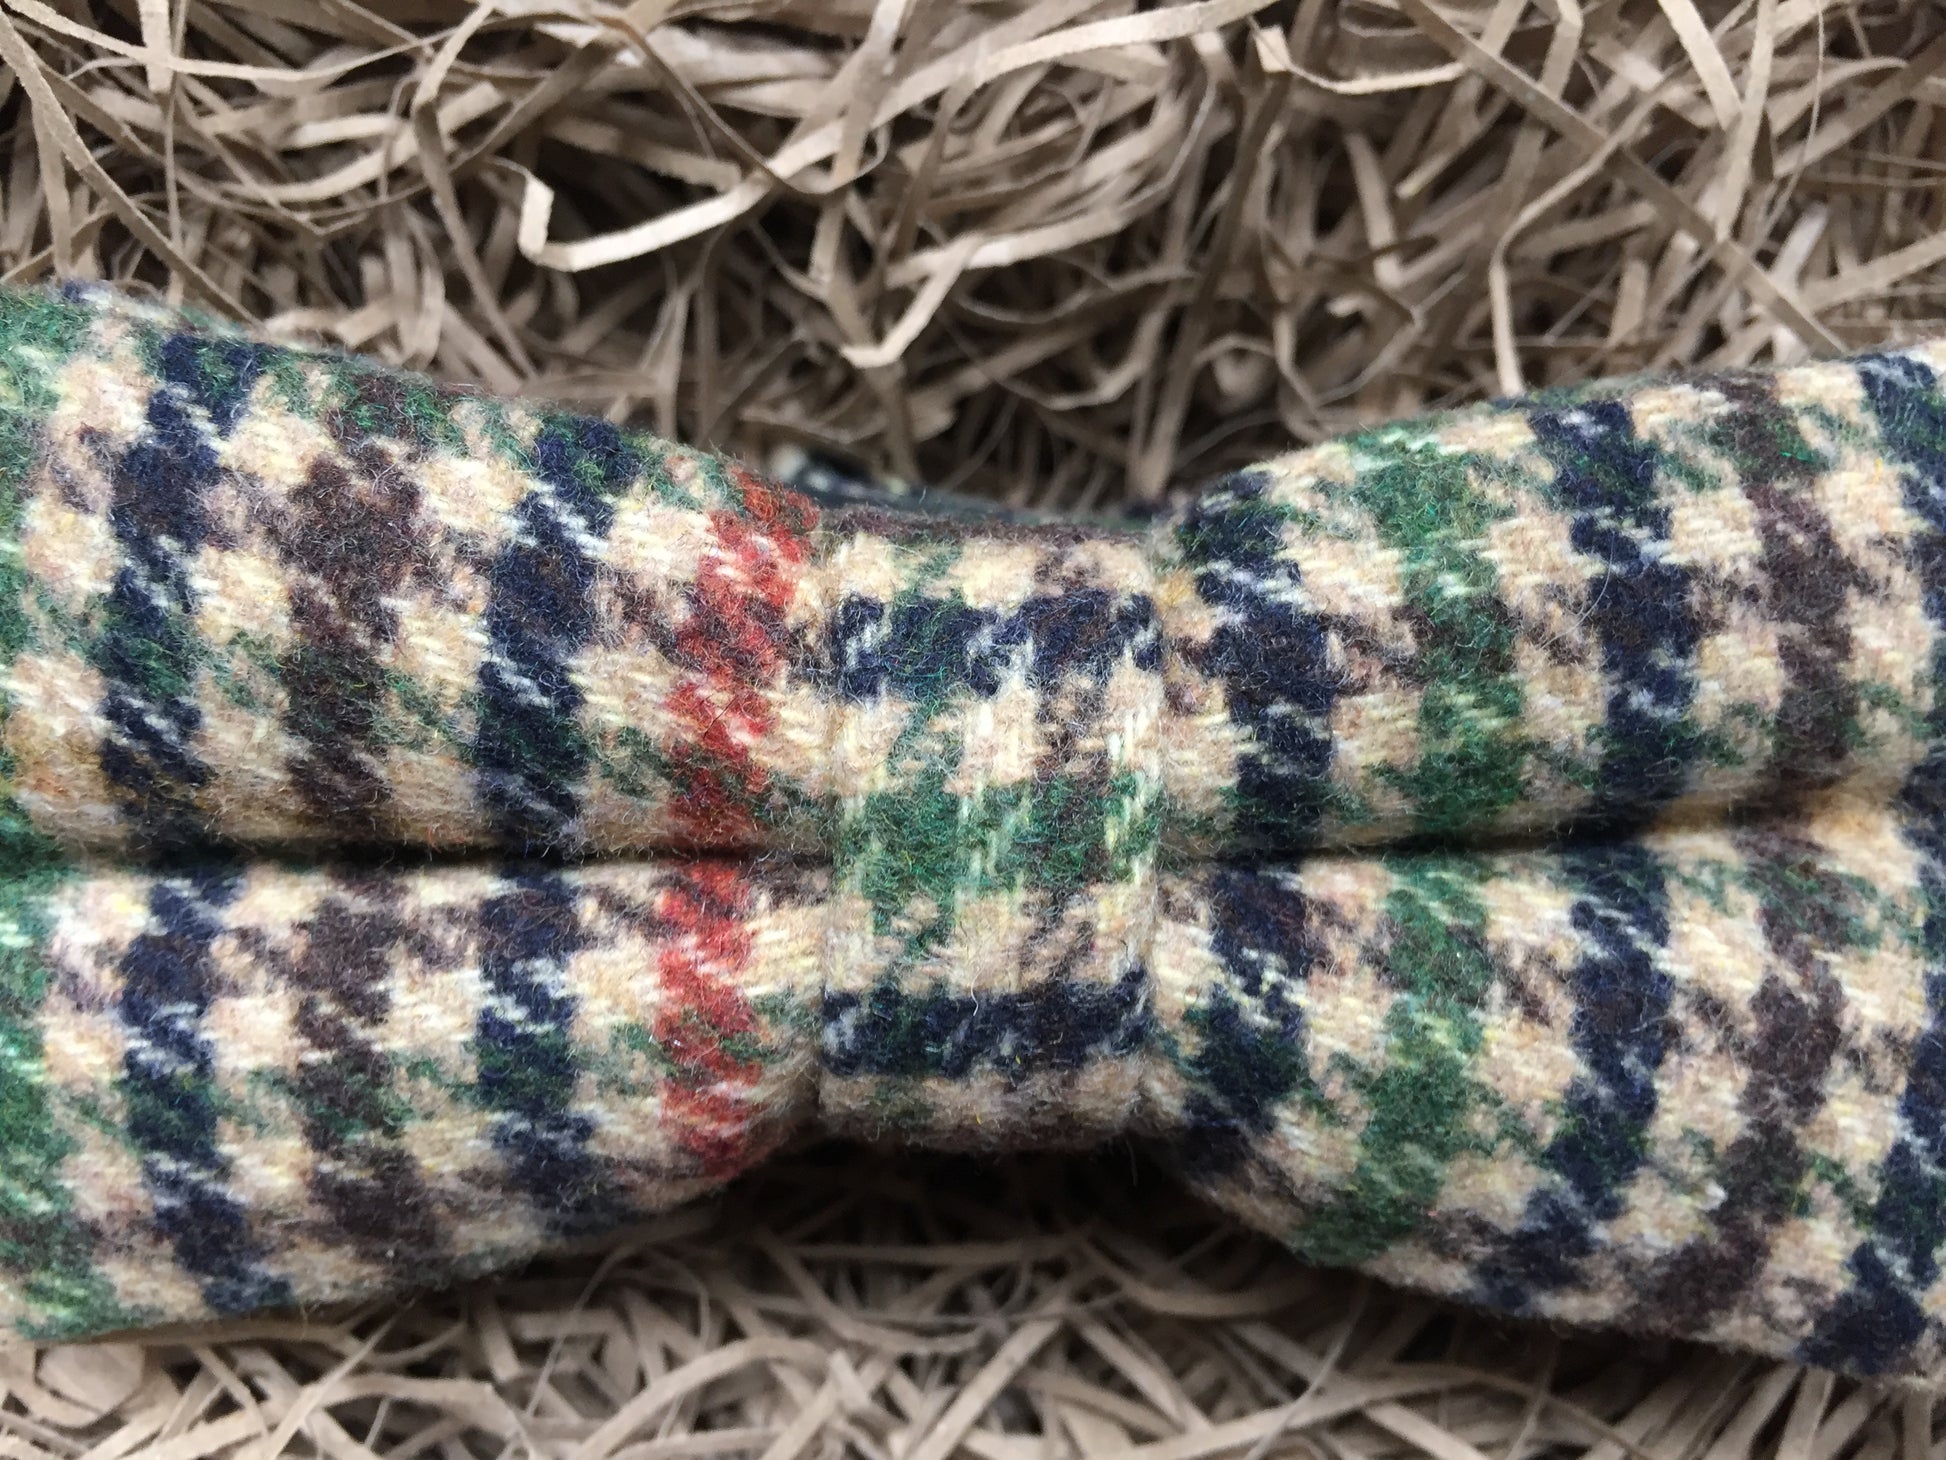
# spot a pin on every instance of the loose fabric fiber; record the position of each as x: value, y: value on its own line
x: 1501, y: 852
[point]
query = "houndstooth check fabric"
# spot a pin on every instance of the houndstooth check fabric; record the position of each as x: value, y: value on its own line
x: 1502, y: 852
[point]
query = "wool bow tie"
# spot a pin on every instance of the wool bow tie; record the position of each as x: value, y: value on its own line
x: 1502, y: 852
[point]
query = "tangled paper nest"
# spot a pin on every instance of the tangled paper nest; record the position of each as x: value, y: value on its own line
x: 1062, y: 252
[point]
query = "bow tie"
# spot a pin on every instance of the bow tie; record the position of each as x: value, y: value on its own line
x: 1503, y: 852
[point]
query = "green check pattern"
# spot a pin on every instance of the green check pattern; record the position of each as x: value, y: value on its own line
x: 1501, y: 852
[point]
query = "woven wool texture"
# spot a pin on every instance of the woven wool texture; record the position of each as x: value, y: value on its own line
x: 1503, y: 852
